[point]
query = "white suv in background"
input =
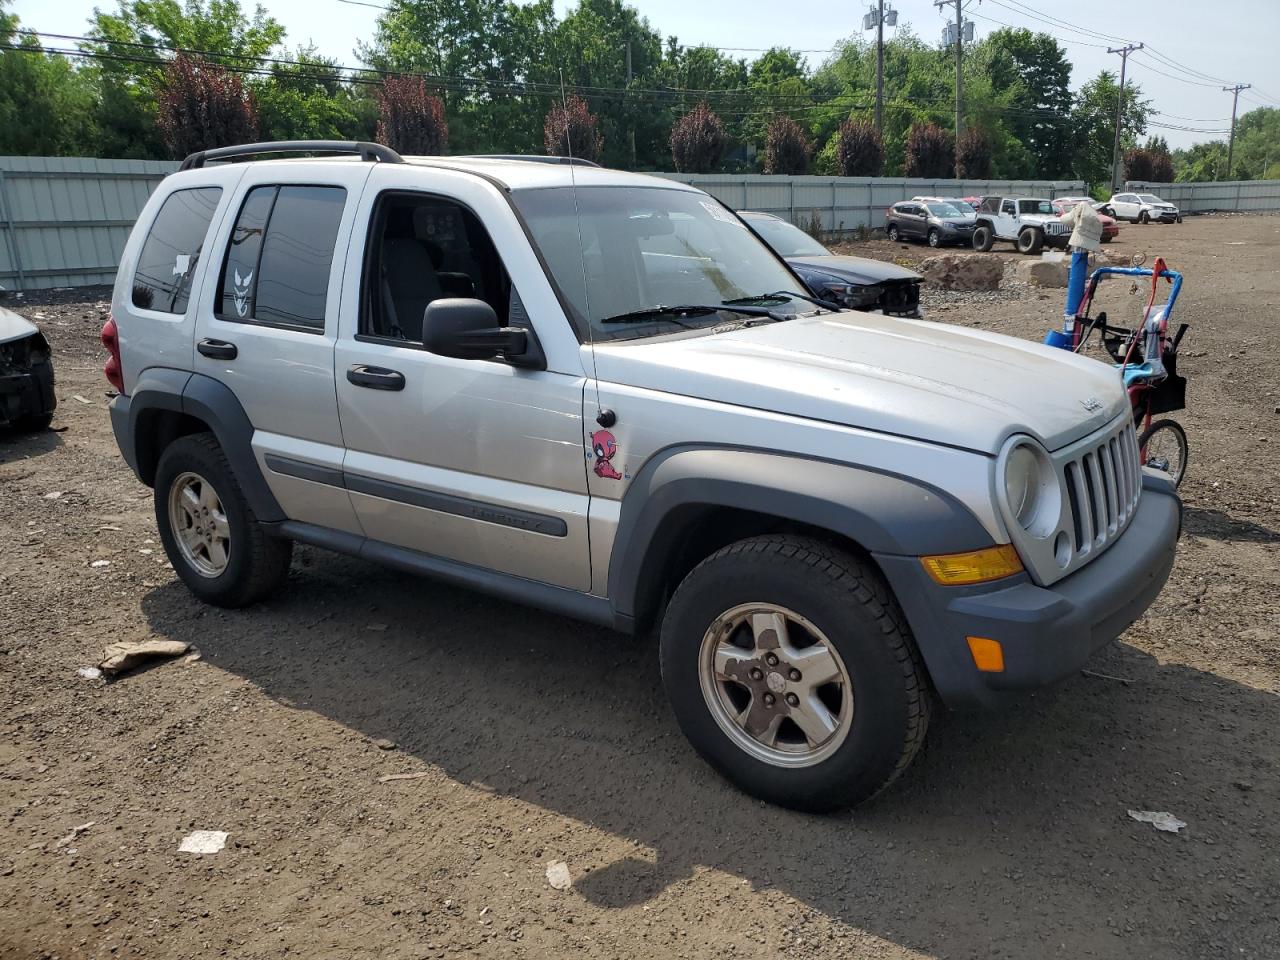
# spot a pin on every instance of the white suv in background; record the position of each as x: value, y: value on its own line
x: 601, y: 394
x: 1141, y: 208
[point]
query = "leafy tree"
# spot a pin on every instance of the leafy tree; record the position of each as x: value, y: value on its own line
x: 786, y: 147
x: 411, y: 120
x: 201, y: 105
x: 46, y: 106
x: 973, y: 155
x: 1093, y: 120
x: 859, y: 149
x: 697, y: 140
x: 930, y: 152
x: 310, y: 101
x: 571, y: 129
x: 1137, y: 164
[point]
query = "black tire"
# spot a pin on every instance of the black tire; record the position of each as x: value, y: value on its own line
x: 1143, y: 217
x: 1107, y: 211
x: 892, y: 232
x: 849, y: 602
x: 1106, y: 239
x: 33, y: 423
x: 1030, y: 240
x: 983, y: 238
x: 1166, y: 432
x: 934, y: 238
x: 257, y: 564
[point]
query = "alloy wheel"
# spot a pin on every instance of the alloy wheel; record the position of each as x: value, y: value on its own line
x: 199, y: 524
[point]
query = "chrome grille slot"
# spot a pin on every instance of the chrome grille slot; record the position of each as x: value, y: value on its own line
x: 1103, y: 484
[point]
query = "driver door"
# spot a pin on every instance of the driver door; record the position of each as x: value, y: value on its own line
x: 1007, y: 221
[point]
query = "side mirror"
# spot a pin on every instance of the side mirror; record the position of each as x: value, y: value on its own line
x: 468, y: 329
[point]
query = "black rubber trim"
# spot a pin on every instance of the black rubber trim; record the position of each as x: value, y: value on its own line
x: 570, y: 603
x: 314, y: 472
x: 417, y: 497
x: 458, y: 506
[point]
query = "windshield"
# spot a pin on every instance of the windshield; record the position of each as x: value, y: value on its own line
x: 786, y: 239
x: 646, y: 247
x: 1035, y: 206
x: 1148, y: 198
x: 946, y: 210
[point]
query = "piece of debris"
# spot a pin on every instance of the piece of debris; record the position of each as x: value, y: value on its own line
x: 384, y: 744
x: 100, y: 563
x: 203, y: 841
x: 404, y: 776
x: 1106, y: 676
x: 109, y: 527
x: 1161, y: 820
x: 1243, y: 785
x: 119, y: 657
x: 379, y: 627
x: 89, y: 673
x: 193, y: 657
x: 53, y: 495
x: 558, y: 875
x: 71, y: 837
x: 79, y: 399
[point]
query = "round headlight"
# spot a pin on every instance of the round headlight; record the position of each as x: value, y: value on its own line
x: 1032, y: 495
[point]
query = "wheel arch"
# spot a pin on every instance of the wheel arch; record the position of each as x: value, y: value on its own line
x: 687, y: 502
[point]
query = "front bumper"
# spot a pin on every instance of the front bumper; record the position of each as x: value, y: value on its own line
x: 1047, y: 633
x: 27, y: 393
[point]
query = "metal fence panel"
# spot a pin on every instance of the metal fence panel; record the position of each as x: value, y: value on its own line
x: 65, y: 220
x: 1242, y: 196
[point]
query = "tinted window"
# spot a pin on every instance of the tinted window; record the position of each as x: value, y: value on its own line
x: 281, y: 254
x: 1007, y: 207
x: 785, y: 239
x: 171, y: 252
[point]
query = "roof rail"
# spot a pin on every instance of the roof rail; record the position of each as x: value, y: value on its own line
x: 366, y: 151
x: 530, y: 157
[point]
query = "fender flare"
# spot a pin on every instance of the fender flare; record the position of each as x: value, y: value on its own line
x: 159, y: 390
x: 881, y: 512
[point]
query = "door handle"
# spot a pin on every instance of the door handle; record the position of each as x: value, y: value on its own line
x: 375, y: 378
x: 217, y: 349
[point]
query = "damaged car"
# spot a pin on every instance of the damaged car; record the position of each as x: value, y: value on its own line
x: 26, y: 374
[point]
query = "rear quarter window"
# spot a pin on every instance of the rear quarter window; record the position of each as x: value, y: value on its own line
x: 172, y: 250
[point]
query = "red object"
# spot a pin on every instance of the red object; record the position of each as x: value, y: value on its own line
x: 112, y: 368
x: 1110, y: 228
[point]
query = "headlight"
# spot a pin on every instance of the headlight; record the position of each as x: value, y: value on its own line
x: 1032, y: 495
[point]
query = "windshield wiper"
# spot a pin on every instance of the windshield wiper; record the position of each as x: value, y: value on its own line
x: 778, y: 294
x: 673, y: 314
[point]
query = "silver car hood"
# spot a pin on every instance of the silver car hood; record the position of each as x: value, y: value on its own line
x: 14, y: 327
x: 912, y: 378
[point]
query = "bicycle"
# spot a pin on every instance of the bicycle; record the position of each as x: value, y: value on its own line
x: 1154, y: 385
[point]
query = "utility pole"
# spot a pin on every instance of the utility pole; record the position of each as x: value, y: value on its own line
x: 1235, y: 99
x: 1115, y: 150
x: 880, y: 69
x: 631, y: 126
x: 959, y: 34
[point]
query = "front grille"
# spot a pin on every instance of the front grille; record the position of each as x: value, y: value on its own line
x: 1056, y: 229
x: 1103, y: 482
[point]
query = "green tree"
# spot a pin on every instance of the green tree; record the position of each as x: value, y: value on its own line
x: 47, y: 107
x: 1093, y: 121
x: 310, y: 101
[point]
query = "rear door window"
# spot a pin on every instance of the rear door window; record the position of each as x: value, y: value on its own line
x: 172, y: 250
x: 277, y: 266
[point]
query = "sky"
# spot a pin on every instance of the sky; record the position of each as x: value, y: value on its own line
x: 1212, y: 45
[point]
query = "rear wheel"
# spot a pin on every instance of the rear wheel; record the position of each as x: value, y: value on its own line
x: 1164, y: 448
x: 935, y: 238
x: 208, y: 529
x: 1030, y: 240
x: 790, y: 668
x: 892, y: 232
x: 983, y: 238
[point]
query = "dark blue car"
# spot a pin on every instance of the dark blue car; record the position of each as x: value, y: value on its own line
x: 856, y: 282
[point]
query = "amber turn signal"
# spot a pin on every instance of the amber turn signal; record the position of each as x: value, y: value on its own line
x: 975, y: 566
x: 988, y: 655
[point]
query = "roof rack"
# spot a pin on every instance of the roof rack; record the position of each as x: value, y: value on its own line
x: 366, y: 151
x: 530, y: 157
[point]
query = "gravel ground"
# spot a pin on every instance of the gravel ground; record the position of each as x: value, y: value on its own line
x: 533, y: 739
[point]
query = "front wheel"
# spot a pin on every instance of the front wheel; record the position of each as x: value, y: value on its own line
x: 208, y: 529
x: 1163, y: 446
x: 1144, y: 217
x: 1030, y: 240
x: 790, y: 668
x: 892, y: 233
x: 935, y: 239
x: 983, y: 238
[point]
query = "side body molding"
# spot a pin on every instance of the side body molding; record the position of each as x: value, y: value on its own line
x: 882, y: 512
x: 162, y: 390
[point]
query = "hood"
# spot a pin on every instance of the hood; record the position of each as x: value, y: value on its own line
x: 931, y: 382
x: 1041, y: 217
x: 858, y: 269
x: 14, y: 327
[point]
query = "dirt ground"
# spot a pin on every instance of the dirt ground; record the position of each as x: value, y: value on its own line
x: 538, y: 739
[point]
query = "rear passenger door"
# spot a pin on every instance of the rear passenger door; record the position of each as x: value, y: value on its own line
x: 268, y: 321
